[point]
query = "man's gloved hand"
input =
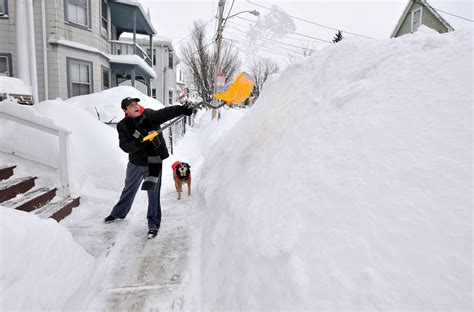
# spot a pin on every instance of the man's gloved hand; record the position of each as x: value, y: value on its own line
x: 138, y: 136
x: 187, y: 109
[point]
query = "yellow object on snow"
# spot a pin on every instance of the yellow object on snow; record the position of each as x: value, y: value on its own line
x: 239, y: 91
x: 151, y: 136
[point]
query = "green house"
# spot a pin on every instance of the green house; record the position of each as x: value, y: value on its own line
x: 417, y: 13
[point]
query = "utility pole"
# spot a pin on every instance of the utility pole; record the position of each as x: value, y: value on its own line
x: 218, y: 55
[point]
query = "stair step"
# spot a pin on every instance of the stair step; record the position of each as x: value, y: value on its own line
x: 31, y: 200
x: 6, y: 172
x: 58, y: 210
x: 12, y: 187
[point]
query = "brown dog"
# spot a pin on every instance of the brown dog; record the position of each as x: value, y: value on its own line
x: 181, y: 174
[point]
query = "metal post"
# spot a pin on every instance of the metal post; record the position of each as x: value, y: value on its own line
x: 218, y: 53
x: 134, y: 31
x: 32, y: 49
x: 64, y: 162
x: 132, y: 76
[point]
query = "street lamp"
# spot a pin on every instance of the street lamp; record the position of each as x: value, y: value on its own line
x: 220, y: 28
x: 253, y: 12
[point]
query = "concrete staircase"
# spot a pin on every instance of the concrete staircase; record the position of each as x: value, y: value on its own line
x: 19, y: 193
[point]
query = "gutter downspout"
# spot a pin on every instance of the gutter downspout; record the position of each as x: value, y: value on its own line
x: 151, y: 57
x: 32, y: 50
x: 23, y: 68
x: 134, y: 44
x: 45, y: 51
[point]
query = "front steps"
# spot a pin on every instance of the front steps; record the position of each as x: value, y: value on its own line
x: 19, y: 193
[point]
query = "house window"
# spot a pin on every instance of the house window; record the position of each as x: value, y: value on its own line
x: 170, y: 60
x: 415, y: 20
x: 104, y: 25
x: 78, y: 12
x: 105, y: 78
x: 170, y: 96
x: 4, y: 8
x: 80, y: 77
x: 153, y: 93
x: 6, y: 65
x: 154, y: 55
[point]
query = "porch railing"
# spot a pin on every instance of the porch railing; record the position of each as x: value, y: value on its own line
x: 129, y: 48
x: 63, y: 137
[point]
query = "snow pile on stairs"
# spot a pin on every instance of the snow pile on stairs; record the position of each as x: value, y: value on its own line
x: 34, y: 275
x: 349, y: 184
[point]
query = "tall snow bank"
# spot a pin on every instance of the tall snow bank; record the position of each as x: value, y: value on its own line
x: 41, y: 265
x: 349, y: 184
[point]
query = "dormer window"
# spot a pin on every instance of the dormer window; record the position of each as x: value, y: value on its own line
x: 415, y: 19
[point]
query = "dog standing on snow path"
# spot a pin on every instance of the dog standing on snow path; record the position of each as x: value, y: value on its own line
x: 181, y: 174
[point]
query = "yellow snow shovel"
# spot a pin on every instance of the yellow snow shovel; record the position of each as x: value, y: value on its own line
x: 239, y: 91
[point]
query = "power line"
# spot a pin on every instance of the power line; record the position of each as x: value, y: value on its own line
x: 199, y: 50
x: 436, y: 9
x: 279, y: 46
x: 231, y: 6
x: 464, y: 18
x: 286, y: 37
x: 295, y: 33
x: 272, y: 40
x: 241, y: 48
x: 311, y: 22
x: 182, y: 39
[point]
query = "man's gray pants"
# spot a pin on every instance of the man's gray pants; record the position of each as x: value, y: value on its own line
x: 134, y: 177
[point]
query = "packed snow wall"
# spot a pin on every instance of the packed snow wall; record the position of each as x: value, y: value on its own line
x: 348, y: 185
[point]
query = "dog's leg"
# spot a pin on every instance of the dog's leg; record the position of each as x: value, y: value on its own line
x: 189, y: 187
x: 176, y: 185
x: 180, y: 189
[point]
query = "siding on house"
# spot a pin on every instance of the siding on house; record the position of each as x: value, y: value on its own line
x: 56, y: 25
x: 58, y: 83
x: 8, y: 35
x: 427, y: 19
x: 58, y: 72
x: 58, y: 28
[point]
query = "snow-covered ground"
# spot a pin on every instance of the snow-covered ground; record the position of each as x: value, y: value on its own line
x: 348, y: 186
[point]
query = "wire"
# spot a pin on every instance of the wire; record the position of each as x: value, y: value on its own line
x: 272, y: 40
x: 311, y: 22
x: 230, y: 10
x: 279, y: 46
x: 199, y: 50
x: 295, y: 33
x: 464, y: 18
x: 241, y: 48
x: 182, y: 39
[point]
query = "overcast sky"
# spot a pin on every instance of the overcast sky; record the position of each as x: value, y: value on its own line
x: 377, y: 19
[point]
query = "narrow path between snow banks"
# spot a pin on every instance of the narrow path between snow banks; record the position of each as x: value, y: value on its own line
x: 133, y: 273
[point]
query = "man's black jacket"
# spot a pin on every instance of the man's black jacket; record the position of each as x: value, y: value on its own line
x: 153, y: 118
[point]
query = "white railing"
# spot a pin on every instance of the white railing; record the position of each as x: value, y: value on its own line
x: 129, y: 48
x: 61, y: 133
